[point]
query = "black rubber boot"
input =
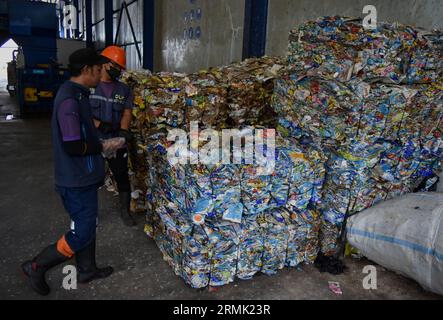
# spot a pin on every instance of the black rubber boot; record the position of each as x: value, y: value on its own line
x: 36, y: 269
x: 125, y: 212
x: 87, y: 267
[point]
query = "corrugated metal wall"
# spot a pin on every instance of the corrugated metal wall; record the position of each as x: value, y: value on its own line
x: 98, y: 19
x: 125, y: 37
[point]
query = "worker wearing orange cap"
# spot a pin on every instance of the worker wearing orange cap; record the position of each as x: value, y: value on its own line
x: 112, y: 103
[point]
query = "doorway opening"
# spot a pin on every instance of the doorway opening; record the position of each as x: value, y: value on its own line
x: 7, y: 70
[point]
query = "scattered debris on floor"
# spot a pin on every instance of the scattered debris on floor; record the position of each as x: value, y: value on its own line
x: 335, y: 287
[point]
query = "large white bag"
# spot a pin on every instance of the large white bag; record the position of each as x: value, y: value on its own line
x: 404, y: 235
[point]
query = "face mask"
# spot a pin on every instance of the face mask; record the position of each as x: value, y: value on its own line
x: 114, y: 73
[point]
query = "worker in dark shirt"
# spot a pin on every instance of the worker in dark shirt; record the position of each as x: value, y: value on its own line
x: 112, y: 103
x: 79, y: 172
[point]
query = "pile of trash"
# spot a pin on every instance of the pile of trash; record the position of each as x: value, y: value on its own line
x: 251, y: 85
x: 222, y: 97
x: 358, y: 115
x: 217, y: 222
x: 229, y: 96
x: 372, y: 100
x: 343, y: 49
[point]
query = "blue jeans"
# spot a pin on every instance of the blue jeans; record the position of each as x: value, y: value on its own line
x: 82, y: 206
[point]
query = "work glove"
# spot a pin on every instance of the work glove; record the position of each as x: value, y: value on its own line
x: 125, y: 134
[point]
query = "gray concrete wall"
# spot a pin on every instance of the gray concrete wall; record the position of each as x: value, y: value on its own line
x: 98, y: 31
x: 221, y: 39
x: 286, y: 14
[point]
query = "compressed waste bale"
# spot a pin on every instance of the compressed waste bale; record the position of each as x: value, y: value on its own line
x: 371, y: 100
x: 205, y: 99
x: 250, y: 84
x: 205, y: 218
x: 341, y: 48
x: 358, y: 115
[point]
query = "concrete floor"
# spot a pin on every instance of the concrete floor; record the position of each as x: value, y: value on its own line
x: 32, y: 217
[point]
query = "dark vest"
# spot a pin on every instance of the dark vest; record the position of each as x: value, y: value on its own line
x: 110, y: 109
x: 82, y: 171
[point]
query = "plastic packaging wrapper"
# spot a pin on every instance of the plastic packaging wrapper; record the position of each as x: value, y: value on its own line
x: 205, y: 99
x: 112, y: 146
x: 250, y: 84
